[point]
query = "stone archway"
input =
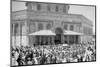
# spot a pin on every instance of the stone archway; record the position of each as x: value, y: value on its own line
x: 59, y: 35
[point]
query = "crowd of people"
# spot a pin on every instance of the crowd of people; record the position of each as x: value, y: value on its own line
x: 52, y: 54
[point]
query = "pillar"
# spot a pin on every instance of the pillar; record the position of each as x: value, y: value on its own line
x: 19, y: 33
x: 48, y: 40
x: 40, y: 40
x: 13, y: 35
x: 20, y: 26
x: 63, y: 39
x: 74, y: 38
x: 52, y: 40
x: 68, y: 39
x: 35, y: 40
x: 79, y: 38
x: 26, y: 32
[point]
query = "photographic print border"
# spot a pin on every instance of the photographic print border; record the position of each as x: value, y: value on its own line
x: 52, y: 3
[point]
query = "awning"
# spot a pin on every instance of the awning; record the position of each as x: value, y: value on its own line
x: 66, y: 32
x: 43, y: 32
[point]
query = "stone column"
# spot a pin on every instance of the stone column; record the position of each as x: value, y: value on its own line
x: 68, y: 39
x: 48, y: 40
x: 26, y: 33
x: 40, y: 39
x: 52, y: 40
x: 63, y: 39
x: 74, y: 37
x: 13, y: 35
x: 35, y: 40
x: 79, y: 38
x: 20, y: 33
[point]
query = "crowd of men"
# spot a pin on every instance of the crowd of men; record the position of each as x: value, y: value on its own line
x: 52, y: 54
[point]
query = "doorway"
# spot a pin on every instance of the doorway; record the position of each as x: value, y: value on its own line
x: 59, y: 35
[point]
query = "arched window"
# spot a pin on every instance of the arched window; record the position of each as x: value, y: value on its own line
x: 65, y: 26
x: 40, y: 26
x: 48, y: 26
x: 71, y: 27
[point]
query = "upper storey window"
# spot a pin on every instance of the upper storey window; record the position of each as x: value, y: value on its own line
x: 38, y: 7
x: 65, y: 27
x: 32, y: 27
x: 48, y: 26
x: 72, y: 27
x: 57, y: 8
x: 40, y: 26
x: 48, y: 8
x: 64, y: 8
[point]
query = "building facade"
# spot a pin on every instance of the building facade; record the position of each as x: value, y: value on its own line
x: 48, y: 16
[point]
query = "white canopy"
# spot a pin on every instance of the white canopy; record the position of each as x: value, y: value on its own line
x: 43, y: 32
x: 67, y: 32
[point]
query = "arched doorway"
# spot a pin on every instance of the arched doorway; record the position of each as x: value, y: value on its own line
x: 59, y: 36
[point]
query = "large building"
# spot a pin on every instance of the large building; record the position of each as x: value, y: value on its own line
x: 48, y: 23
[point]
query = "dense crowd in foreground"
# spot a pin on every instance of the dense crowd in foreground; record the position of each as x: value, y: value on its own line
x: 51, y: 54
